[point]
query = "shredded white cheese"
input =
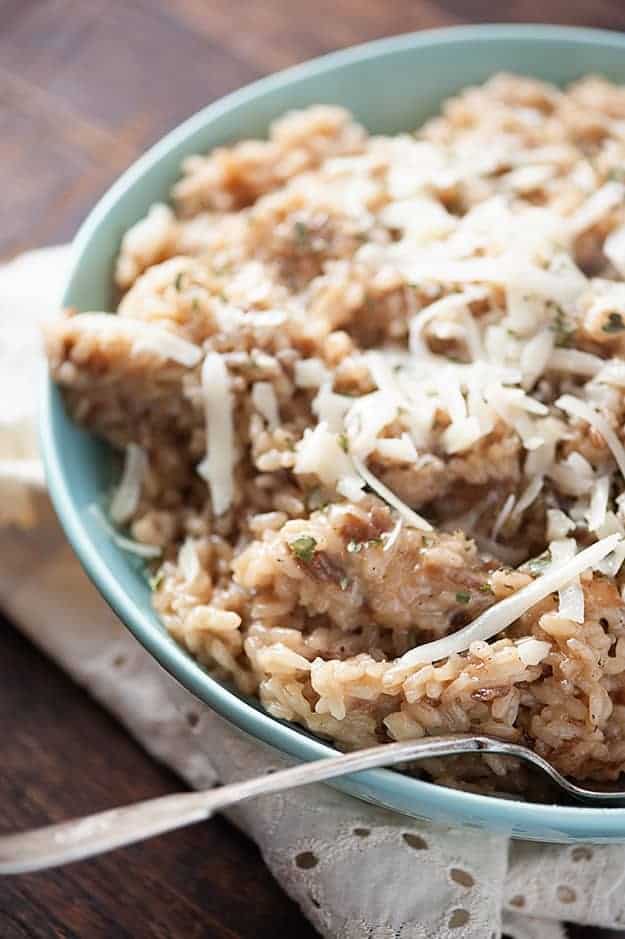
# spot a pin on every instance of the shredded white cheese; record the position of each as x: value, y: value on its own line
x: 147, y: 551
x: 576, y: 362
x: 391, y: 540
x: 528, y: 496
x: 410, y: 517
x: 558, y: 524
x: 397, y: 449
x: 600, y: 204
x: 218, y: 466
x: 571, y: 595
x: 503, y: 516
x: 351, y: 487
x: 504, y: 613
x: 188, y: 560
x: 265, y: 401
x: 586, y: 412
x: 143, y: 337
x: 598, y: 508
x: 128, y: 492
x: 320, y: 452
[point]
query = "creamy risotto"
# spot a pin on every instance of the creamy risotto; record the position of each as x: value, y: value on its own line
x: 370, y: 393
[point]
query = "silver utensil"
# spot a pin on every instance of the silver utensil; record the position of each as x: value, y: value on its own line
x: 80, y: 838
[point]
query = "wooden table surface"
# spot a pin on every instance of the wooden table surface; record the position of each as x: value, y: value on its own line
x: 86, y: 85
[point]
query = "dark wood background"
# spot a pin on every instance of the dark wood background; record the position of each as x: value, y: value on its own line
x: 86, y: 85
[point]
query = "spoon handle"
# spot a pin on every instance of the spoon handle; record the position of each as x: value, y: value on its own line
x: 80, y: 838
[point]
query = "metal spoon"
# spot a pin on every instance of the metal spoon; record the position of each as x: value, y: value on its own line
x: 80, y: 838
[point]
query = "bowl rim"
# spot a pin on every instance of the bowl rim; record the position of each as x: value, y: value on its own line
x: 382, y: 786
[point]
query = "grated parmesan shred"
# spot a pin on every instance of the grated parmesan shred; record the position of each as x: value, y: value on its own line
x: 528, y: 496
x: 141, y: 550
x: 600, y: 204
x: 586, y: 412
x: 265, y: 401
x: 503, y: 516
x: 218, y: 466
x: 411, y: 518
x: 143, y: 336
x: 126, y: 497
x: 597, y: 511
x: 571, y: 595
x: 504, y: 613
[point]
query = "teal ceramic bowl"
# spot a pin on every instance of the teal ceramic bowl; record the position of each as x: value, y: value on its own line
x: 390, y: 85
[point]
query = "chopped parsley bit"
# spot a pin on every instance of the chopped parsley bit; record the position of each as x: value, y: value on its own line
x: 426, y: 542
x: 195, y: 305
x: 343, y: 442
x: 463, y: 596
x: 156, y: 581
x: 562, y: 329
x: 617, y: 174
x: 614, y: 324
x: 344, y: 583
x: 303, y: 547
x: 486, y: 588
x: 178, y: 280
x: 302, y: 234
x: 538, y: 565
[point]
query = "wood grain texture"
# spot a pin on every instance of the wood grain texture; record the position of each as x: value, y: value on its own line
x: 85, y: 86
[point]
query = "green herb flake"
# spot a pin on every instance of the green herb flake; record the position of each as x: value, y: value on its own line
x: 343, y: 442
x: 463, y: 596
x: 178, y: 280
x: 617, y: 174
x: 156, y: 581
x: 195, y: 305
x: 303, y: 548
x: 614, y: 324
x: 344, y: 583
x: 486, y: 588
x: 302, y: 234
x: 538, y: 565
x: 562, y: 328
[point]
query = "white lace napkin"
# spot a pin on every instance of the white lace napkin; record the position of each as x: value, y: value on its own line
x: 356, y: 871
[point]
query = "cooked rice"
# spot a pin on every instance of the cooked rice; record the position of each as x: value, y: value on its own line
x: 369, y: 388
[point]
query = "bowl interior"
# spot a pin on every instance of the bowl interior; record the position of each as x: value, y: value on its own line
x: 390, y: 85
